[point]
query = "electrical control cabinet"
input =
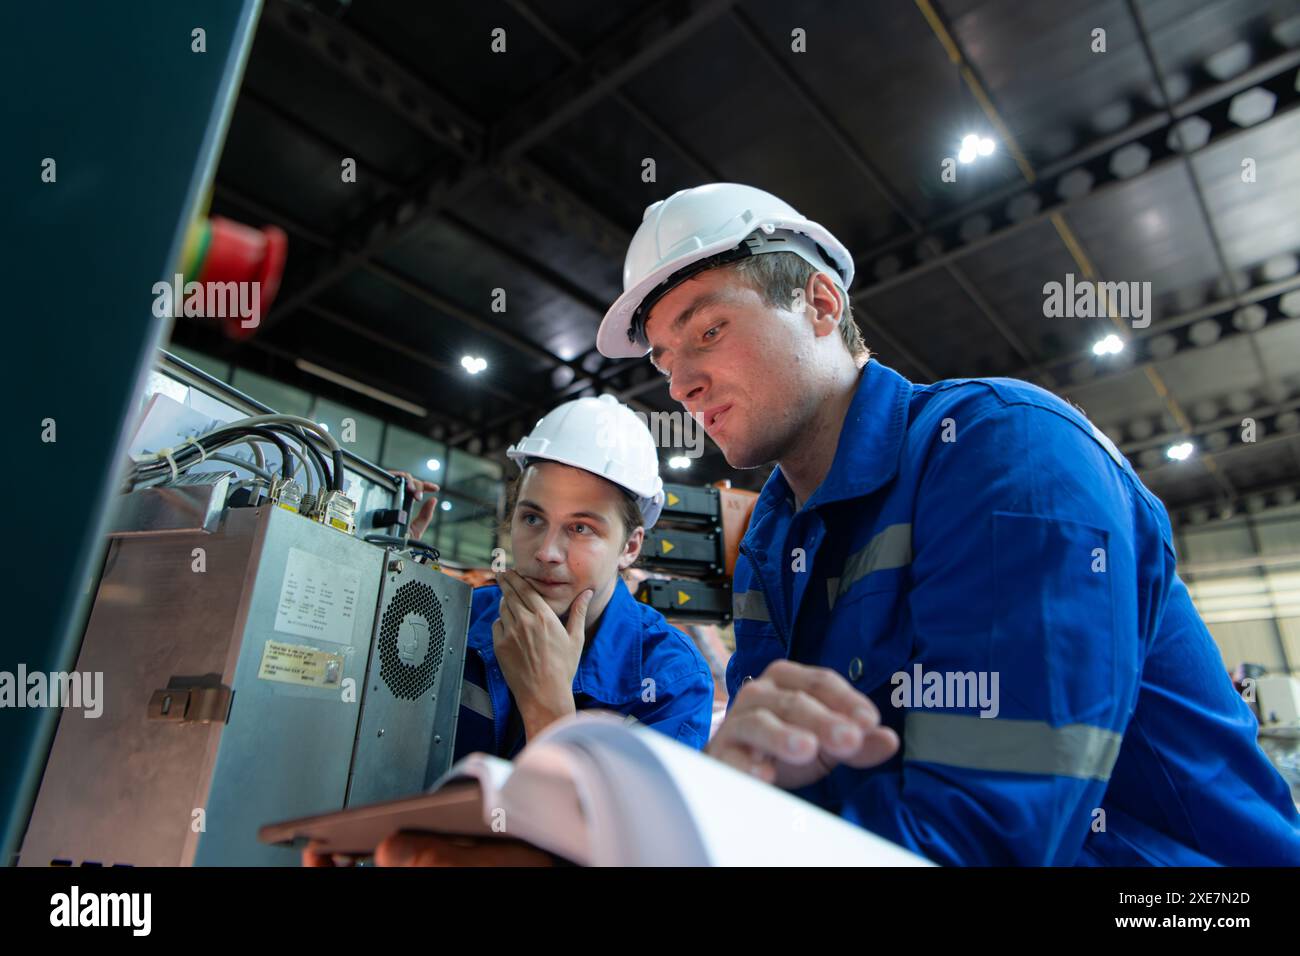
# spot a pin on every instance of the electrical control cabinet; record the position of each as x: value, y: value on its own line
x: 271, y: 668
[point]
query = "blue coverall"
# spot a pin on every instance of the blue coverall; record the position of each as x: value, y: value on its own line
x: 984, y: 526
x: 637, y: 664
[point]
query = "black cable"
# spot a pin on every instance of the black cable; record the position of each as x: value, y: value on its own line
x: 286, y: 457
x: 405, y: 544
x: 334, y: 474
x: 302, y: 434
x: 338, y: 470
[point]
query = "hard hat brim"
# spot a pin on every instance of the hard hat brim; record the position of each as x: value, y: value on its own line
x: 612, y: 336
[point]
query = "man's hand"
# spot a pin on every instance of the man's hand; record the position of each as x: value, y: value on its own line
x: 431, y: 849
x: 418, y: 489
x: 538, y: 654
x: 796, y: 723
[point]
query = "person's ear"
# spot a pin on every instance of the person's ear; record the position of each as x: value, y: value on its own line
x: 826, y: 301
x: 632, y: 549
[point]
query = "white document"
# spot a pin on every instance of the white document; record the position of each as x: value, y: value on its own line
x: 601, y: 792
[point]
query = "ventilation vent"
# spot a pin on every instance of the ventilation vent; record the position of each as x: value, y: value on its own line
x: 411, y: 641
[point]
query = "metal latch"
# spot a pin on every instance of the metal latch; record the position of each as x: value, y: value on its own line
x: 191, y: 704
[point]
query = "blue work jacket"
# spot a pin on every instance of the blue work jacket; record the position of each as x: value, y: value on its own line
x: 983, y: 527
x: 637, y: 664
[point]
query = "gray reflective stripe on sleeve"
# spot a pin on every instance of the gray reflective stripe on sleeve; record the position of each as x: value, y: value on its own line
x: 476, y: 699
x: 749, y: 606
x: 1015, y: 746
x: 889, y: 548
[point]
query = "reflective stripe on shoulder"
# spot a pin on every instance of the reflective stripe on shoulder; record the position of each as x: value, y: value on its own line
x: 749, y: 606
x: 1014, y: 746
x: 476, y: 699
x: 888, y: 548
x: 1107, y: 444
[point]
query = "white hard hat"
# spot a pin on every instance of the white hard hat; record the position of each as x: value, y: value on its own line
x: 699, y: 228
x: 604, y: 437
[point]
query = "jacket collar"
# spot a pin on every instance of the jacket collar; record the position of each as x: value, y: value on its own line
x: 866, y: 456
x: 610, y: 668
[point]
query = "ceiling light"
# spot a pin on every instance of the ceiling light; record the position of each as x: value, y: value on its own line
x: 1180, y: 452
x: 1110, y: 345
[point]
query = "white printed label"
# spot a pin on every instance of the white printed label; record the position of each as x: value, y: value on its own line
x: 318, y: 598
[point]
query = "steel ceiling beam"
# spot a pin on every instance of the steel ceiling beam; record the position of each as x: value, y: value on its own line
x: 1072, y: 244
x: 1266, y: 418
x: 290, y: 224
x: 540, y: 270
x: 1156, y: 121
x: 898, y: 261
x: 1173, y: 335
x: 1282, y: 494
x: 476, y: 155
x: 1198, y: 190
x: 634, y: 109
x: 862, y: 163
x: 390, y: 276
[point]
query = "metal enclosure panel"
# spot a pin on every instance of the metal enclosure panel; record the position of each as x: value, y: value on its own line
x: 123, y: 788
x: 191, y: 504
x: 287, y: 748
x: 412, y: 692
x: 112, y: 58
x: 120, y: 788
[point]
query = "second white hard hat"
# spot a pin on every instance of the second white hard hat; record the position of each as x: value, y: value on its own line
x: 604, y: 437
x: 699, y: 228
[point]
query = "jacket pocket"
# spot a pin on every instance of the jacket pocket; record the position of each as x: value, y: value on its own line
x: 1053, y: 635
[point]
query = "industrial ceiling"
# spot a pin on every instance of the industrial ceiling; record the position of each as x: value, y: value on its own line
x: 1170, y: 157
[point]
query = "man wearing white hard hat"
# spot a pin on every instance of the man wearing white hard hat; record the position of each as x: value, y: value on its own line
x: 958, y: 619
x: 560, y: 632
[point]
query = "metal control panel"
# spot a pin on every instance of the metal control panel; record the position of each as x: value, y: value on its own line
x: 270, y: 669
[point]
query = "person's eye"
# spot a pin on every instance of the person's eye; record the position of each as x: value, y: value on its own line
x: 710, y: 332
x: 530, y: 520
x: 581, y: 528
